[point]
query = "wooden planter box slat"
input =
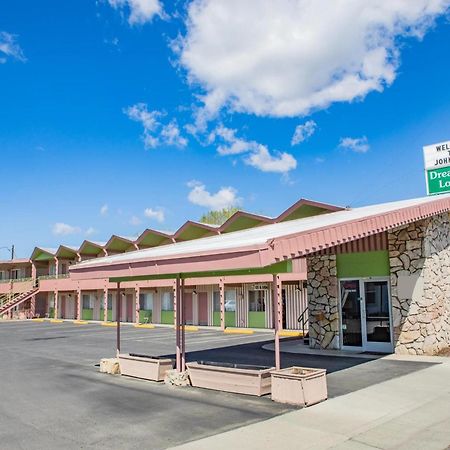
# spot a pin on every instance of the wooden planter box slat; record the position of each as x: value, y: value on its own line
x: 239, y: 380
x: 147, y: 368
x: 301, y: 386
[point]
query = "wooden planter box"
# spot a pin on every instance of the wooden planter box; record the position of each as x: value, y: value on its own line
x: 300, y: 386
x: 237, y: 378
x: 146, y: 367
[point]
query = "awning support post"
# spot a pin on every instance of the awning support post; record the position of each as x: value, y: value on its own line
x: 177, y: 323
x: 118, y: 314
x: 183, y: 335
x: 277, y: 317
x: 222, y: 303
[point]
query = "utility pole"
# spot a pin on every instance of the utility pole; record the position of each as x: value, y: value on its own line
x: 10, y: 250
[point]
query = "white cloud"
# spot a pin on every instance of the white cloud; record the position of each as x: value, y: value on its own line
x: 63, y: 229
x: 156, y: 214
x: 140, y: 11
x: 290, y: 57
x: 90, y: 231
x: 257, y: 155
x: 303, y: 132
x: 135, y: 220
x: 264, y: 161
x: 155, y: 132
x: 9, y: 48
x: 223, y: 198
x: 357, y: 145
x: 104, y: 210
x: 232, y: 144
x: 170, y: 135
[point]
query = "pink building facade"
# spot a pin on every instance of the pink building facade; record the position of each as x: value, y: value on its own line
x: 248, y: 298
x: 374, y: 278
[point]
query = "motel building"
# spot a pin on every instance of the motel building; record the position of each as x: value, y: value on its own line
x: 375, y: 278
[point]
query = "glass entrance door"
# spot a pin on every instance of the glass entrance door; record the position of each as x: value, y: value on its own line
x: 365, y: 313
x: 351, y: 314
x: 377, y: 316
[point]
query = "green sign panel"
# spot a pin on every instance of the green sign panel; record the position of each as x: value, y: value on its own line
x: 438, y: 180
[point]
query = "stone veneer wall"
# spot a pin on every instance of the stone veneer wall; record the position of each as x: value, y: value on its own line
x: 323, y: 302
x: 419, y: 256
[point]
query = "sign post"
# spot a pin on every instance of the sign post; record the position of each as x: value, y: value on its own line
x: 437, y: 168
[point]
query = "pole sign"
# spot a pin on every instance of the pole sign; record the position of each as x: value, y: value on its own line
x: 437, y: 168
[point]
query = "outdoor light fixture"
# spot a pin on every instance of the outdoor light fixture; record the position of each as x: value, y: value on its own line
x: 194, y: 292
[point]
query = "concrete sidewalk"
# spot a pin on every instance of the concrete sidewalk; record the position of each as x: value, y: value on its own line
x: 408, y: 412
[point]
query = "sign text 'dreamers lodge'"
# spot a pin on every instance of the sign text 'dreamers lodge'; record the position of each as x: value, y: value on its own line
x: 437, y: 167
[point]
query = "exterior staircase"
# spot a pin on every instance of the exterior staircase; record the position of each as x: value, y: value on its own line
x: 11, y: 300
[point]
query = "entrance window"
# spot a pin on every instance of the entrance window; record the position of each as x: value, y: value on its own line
x: 216, y: 301
x: 88, y: 301
x: 256, y: 301
x: 230, y: 301
x: 109, y: 301
x: 167, y: 301
x: 377, y: 311
x: 351, y: 313
x: 146, y: 301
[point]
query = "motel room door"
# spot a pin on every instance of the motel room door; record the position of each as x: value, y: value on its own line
x: 366, y: 322
x: 202, y: 300
x: 188, y: 308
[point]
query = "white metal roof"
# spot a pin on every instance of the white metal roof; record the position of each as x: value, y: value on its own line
x: 256, y: 236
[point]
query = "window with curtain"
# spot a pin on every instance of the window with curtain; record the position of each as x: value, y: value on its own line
x: 146, y: 301
x: 230, y: 301
x: 110, y: 301
x: 256, y: 301
x: 88, y: 301
x: 167, y: 301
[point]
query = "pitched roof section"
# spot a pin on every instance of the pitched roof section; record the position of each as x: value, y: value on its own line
x: 119, y: 244
x: 195, y: 230
x: 67, y: 252
x: 43, y: 254
x: 153, y: 238
x: 242, y: 220
x: 90, y: 248
x: 306, y: 208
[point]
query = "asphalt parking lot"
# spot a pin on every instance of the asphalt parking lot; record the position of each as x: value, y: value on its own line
x: 53, y: 397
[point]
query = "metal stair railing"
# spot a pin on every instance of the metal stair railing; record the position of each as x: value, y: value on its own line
x: 12, y: 299
x: 303, y: 320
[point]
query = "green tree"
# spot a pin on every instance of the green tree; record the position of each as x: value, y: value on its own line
x: 218, y: 217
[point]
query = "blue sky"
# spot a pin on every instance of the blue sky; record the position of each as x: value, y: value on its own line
x: 117, y: 115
